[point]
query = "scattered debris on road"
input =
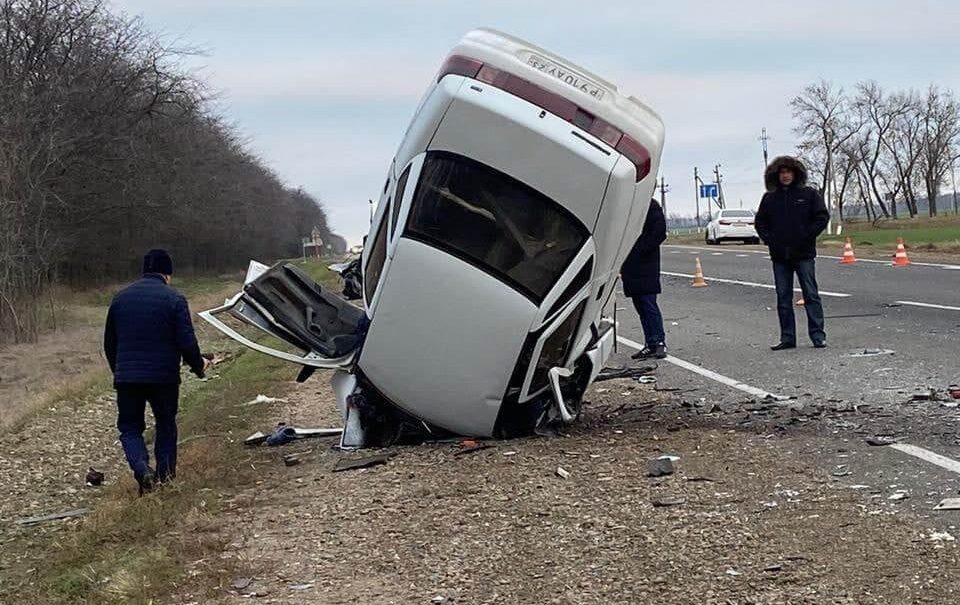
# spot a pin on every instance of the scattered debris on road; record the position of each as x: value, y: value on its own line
x: 79, y: 512
x: 872, y: 353
x: 661, y: 467
x: 94, y: 478
x: 352, y: 464
x: 618, y: 373
x: 948, y: 504
x: 666, y: 501
x: 263, y: 399
x: 563, y: 473
x: 284, y: 434
x: 881, y: 440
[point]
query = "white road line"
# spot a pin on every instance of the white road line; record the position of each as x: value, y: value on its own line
x: 686, y: 365
x: 716, y: 254
x: 927, y: 305
x: 859, y: 260
x: 928, y: 456
x: 742, y: 255
x: 753, y: 284
x: 890, y: 262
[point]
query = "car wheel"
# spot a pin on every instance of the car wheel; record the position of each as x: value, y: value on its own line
x: 706, y: 237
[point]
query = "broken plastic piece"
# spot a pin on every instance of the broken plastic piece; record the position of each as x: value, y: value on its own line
x: 948, y: 504
x: 350, y: 464
x: 563, y: 473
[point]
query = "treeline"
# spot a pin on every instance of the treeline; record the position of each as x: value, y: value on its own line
x: 881, y: 150
x: 108, y: 146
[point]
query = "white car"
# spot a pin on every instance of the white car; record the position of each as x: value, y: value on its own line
x: 732, y: 224
x: 517, y: 190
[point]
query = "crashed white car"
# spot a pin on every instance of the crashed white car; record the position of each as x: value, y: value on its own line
x: 518, y: 189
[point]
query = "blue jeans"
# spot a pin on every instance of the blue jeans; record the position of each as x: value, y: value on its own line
x: 650, y: 319
x: 783, y: 278
x: 131, y: 405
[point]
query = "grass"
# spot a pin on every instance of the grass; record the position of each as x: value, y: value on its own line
x: 940, y: 234
x: 132, y: 550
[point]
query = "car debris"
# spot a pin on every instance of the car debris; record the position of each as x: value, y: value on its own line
x: 625, y: 372
x: 880, y: 440
x: 948, y: 504
x: 471, y: 447
x: 518, y: 215
x: 872, y: 353
x: 661, y: 467
x: 563, y: 473
x: 666, y: 501
x: 352, y: 464
x: 284, y: 434
x: 942, y: 536
x: 773, y: 568
x: 896, y: 496
x: 263, y: 399
x: 94, y: 478
x: 79, y: 512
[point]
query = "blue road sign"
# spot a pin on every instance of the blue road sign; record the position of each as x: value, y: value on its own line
x: 709, y: 190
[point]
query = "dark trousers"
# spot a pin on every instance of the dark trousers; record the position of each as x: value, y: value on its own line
x: 131, y: 405
x: 650, y: 318
x: 806, y: 274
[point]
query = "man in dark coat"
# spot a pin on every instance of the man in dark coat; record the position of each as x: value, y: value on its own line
x: 790, y: 217
x: 641, y: 281
x: 147, y: 335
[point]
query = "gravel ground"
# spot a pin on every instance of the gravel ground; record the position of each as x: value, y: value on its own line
x: 755, y: 519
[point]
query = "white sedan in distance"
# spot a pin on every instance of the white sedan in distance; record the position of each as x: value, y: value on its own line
x: 732, y: 224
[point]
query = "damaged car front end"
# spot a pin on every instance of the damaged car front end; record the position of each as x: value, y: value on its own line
x: 511, y: 202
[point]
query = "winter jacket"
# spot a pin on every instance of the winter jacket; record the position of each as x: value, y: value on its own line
x: 641, y: 269
x: 790, y: 218
x: 148, y: 333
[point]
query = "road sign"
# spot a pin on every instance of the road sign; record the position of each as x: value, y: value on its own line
x: 709, y: 190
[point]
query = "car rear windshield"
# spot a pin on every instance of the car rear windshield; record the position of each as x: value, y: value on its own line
x: 494, y: 222
x: 737, y: 214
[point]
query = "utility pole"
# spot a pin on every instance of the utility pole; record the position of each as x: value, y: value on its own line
x: 696, y: 194
x: 716, y: 172
x: 664, y: 188
x: 763, y: 139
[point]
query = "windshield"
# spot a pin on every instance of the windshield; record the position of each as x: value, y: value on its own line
x: 494, y: 222
x: 737, y: 214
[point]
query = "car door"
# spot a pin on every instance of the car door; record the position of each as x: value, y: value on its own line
x: 284, y: 302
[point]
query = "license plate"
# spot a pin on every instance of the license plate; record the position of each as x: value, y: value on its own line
x: 566, y: 76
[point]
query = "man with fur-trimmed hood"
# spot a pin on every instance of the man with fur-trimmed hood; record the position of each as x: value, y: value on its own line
x: 790, y: 217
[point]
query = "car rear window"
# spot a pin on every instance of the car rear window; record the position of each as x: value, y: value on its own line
x: 737, y: 214
x: 494, y: 222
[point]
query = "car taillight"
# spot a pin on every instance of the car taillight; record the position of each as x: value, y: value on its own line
x: 556, y: 104
x: 460, y: 66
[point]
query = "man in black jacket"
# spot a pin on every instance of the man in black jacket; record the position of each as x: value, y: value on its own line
x: 148, y: 333
x: 641, y: 281
x: 790, y: 217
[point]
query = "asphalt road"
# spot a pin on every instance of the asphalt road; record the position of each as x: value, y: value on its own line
x: 727, y: 328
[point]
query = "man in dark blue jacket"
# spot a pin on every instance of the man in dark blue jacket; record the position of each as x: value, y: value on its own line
x: 641, y: 281
x: 148, y: 333
x: 790, y: 217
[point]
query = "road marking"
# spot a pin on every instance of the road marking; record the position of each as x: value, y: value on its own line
x: 711, y: 249
x: 686, y: 365
x: 716, y: 254
x: 927, y: 305
x: 742, y: 255
x: 859, y: 260
x: 754, y: 284
x: 890, y: 262
x: 928, y: 456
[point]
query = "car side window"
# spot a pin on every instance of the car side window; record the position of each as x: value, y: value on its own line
x: 378, y: 256
x: 398, y: 200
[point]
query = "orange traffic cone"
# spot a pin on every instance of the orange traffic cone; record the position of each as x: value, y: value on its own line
x: 698, y: 281
x: 848, y: 257
x: 900, y: 259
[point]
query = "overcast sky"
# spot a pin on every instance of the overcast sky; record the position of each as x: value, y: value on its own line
x: 323, y: 90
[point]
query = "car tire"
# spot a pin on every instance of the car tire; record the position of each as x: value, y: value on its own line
x: 706, y: 238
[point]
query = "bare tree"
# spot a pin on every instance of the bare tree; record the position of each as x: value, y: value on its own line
x: 940, y: 137
x: 823, y: 114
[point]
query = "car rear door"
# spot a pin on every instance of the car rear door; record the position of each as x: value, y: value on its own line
x: 285, y: 303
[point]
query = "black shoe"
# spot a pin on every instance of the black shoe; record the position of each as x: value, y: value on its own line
x: 146, y: 482
x: 660, y: 351
x: 780, y: 346
x: 644, y: 353
x: 819, y: 344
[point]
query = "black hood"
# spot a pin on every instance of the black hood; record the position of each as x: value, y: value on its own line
x: 771, y: 176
